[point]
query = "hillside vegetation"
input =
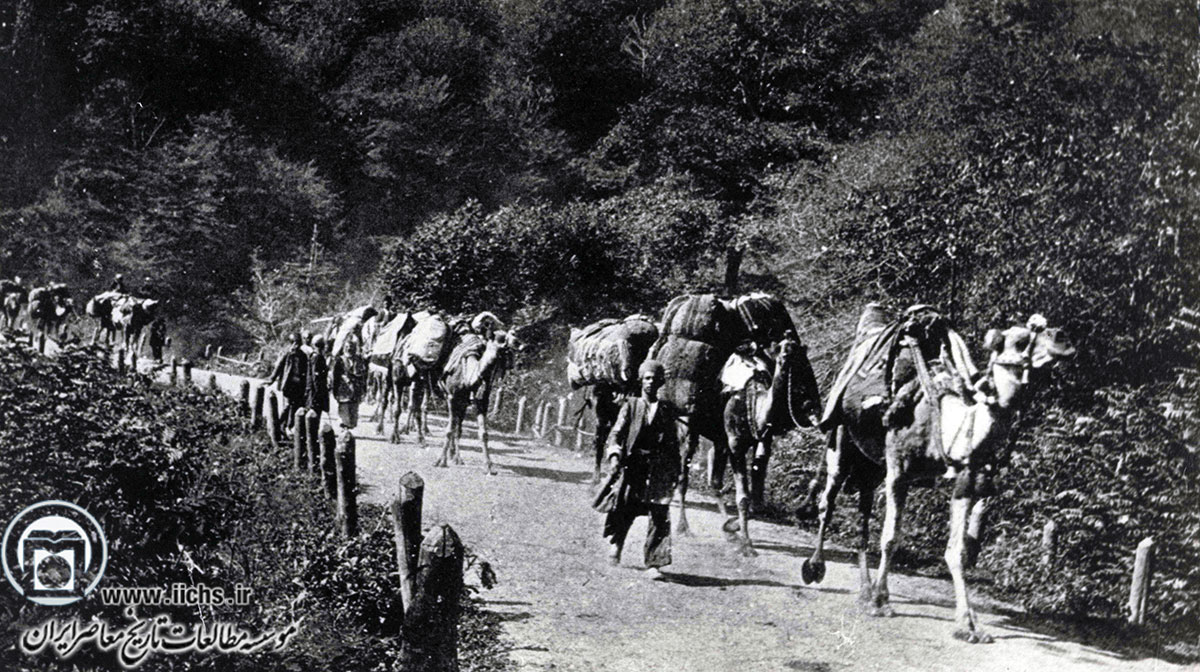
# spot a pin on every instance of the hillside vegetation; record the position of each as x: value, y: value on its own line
x: 561, y: 161
x: 185, y: 495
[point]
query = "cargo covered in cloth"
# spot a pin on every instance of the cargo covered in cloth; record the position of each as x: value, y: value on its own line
x: 391, y: 333
x: 610, y: 351
x: 764, y: 317
x: 693, y: 370
x: 424, y: 346
x: 699, y: 317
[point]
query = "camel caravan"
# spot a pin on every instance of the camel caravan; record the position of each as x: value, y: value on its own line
x: 908, y: 408
x: 412, y: 355
x: 47, y: 308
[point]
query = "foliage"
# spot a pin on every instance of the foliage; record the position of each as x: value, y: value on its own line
x: 582, y: 260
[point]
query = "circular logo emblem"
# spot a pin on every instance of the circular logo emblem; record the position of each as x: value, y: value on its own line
x: 54, y: 553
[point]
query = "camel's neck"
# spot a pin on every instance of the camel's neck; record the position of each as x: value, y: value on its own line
x: 969, y: 428
x: 487, y: 367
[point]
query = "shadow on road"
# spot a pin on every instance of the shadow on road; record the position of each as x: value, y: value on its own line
x: 550, y: 474
x: 699, y: 581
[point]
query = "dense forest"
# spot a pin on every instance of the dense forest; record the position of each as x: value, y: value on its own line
x: 260, y: 161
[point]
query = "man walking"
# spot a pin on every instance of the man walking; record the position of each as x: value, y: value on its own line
x: 317, y: 394
x: 644, y: 446
x: 291, y: 371
x: 348, y: 380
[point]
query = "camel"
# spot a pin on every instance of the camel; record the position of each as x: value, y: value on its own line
x: 131, y: 315
x: 916, y: 441
x: 762, y: 400
x: 476, y: 363
x: 100, y: 307
x: 14, y: 299
x: 48, y: 308
x: 604, y: 356
x: 698, y: 334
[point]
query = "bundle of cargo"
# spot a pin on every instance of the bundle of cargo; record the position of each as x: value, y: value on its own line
x: 610, y: 351
x: 350, y: 324
x: 764, y: 318
x: 391, y: 334
x: 699, y: 333
x: 426, y: 343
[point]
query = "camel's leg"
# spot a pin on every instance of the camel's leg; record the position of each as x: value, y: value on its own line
x: 451, y: 440
x: 866, y: 502
x: 741, y: 482
x: 813, y: 569
x: 758, y: 473
x: 690, y: 442
x: 483, y: 438
x: 384, y: 395
x: 416, y: 411
x: 717, y: 457
x: 968, y: 627
x: 975, y: 531
x: 461, y: 414
x: 895, y: 494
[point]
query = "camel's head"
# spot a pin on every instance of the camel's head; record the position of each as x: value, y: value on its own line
x: 804, y: 397
x: 1028, y: 347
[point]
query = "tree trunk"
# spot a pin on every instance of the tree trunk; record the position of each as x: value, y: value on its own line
x: 733, y: 267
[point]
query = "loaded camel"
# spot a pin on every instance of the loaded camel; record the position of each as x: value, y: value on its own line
x: 475, y: 364
x: 48, y: 310
x: 13, y: 297
x: 604, y: 356
x: 698, y: 336
x: 945, y: 421
x: 763, y: 397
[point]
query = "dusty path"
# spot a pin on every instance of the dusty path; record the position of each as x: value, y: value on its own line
x: 565, y: 608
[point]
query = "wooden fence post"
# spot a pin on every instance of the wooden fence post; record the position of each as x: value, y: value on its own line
x: 121, y: 361
x: 174, y: 370
x: 256, y: 417
x: 328, y: 462
x: 1139, y: 589
x: 244, y: 407
x: 300, y: 439
x: 212, y: 383
x: 558, y: 425
x: 1049, y: 542
x: 208, y: 351
x: 312, y: 425
x: 406, y: 526
x: 187, y: 372
x: 272, y: 418
x: 431, y: 623
x: 545, y: 420
x: 219, y: 348
x: 133, y: 364
x: 520, y: 415
x: 347, y: 509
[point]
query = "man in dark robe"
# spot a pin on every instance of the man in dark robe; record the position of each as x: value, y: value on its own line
x: 644, y: 446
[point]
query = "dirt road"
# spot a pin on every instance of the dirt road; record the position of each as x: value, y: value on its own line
x: 566, y: 608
